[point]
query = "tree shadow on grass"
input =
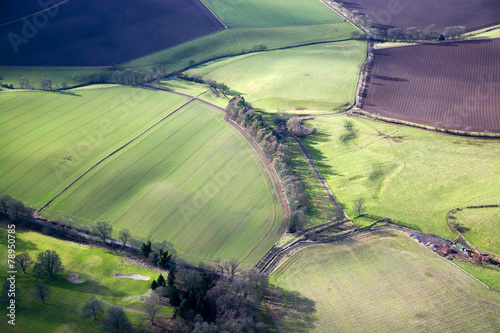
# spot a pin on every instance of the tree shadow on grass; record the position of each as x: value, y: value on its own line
x: 321, y: 161
x: 292, y: 312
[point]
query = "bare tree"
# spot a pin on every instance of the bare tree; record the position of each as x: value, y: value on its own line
x: 412, y: 33
x: 46, y: 84
x: 431, y: 33
x: 41, y: 292
x: 103, y: 230
x: 124, y: 236
x: 151, y: 308
x: 23, y: 82
x: 24, y: 261
x: 338, y: 213
x: 93, y: 307
x: 18, y: 209
x: 359, y: 206
x: 48, y: 264
x: 115, y: 320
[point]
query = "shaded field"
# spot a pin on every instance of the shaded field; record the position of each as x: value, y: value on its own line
x: 192, y: 181
x: 302, y: 80
x: 97, y: 33
x: 73, y: 76
x: 411, y: 176
x: 236, y: 41
x: 473, y: 14
x: 450, y: 85
x: 63, y: 311
x: 481, y: 227
x: 50, y: 138
x: 380, y: 282
x: 261, y: 13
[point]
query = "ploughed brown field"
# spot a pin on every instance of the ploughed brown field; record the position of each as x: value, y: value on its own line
x: 453, y: 85
x: 473, y: 14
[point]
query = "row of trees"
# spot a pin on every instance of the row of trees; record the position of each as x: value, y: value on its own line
x: 220, y: 87
x: 412, y: 34
x: 131, y: 77
x: 278, y: 153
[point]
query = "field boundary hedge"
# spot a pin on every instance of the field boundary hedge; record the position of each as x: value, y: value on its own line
x: 364, y: 114
x: 111, y: 154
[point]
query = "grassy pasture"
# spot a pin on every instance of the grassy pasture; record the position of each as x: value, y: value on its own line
x: 264, y: 13
x: 49, y: 138
x: 63, y: 313
x: 202, y: 91
x: 192, y: 181
x: 308, y: 79
x: 381, y: 282
x: 235, y: 41
x: 488, y: 34
x: 482, y: 227
x: 73, y: 76
x: 415, y: 177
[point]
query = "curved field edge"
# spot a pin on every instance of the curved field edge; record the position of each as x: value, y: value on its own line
x: 237, y: 41
x: 190, y: 181
x: 260, y: 13
x: 49, y: 138
x: 384, y: 164
x: 303, y: 80
x: 481, y: 227
x: 64, y: 308
x: 382, y: 281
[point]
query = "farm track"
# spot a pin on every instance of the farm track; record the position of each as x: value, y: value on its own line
x: 111, y: 154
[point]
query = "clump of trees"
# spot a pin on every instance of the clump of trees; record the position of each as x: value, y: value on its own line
x: 217, y: 86
x: 294, y: 126
x: 278, y: 153
x: 15, y: 209
x: 159, y: 253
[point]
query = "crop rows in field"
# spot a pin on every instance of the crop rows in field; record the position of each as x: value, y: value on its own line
x: 48, y: 139
x: 191, y: 181
x: 380, y: 282
x: 265, y: 13
x: 473, y: 14
x: 450, y: 85
x: 100, y: 33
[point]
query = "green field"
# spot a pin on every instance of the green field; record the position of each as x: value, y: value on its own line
x: 50, y: 138
x: 308, y: 79
x: 202, y: 91
x: 63, y: 312
x: 236, y: 41
x: 488, y: 34
x: 193, y: 181
x: 265, y: 13
x: 481, y: 228
x: 380, y: 282
x: 73, y: 76
x: 414, y: 178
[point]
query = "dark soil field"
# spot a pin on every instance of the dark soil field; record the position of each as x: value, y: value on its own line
x: 97, y: 33
x: 453, y: 85
x: 473, y: 14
